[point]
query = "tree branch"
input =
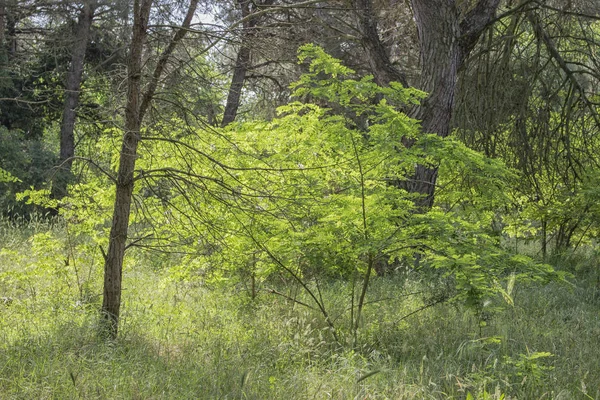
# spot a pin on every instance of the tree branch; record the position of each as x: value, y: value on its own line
x: 475, y: 22
x: 164, y: 58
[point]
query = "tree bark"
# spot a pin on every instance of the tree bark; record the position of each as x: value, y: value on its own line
x: 446, y: 38
x: 72, y: 92
x: 137, y: 105
x: 11, y: 18
x: 242, y: 64
x: 2, y: 24
x: 111, y: 303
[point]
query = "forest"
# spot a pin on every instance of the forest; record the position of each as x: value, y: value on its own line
x: 296, y: 199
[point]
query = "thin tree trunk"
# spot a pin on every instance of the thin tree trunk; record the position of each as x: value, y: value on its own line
x: 243, y: 59
x: 72, y: 92
x: 2, y: 24
x: 544, y: 239
x: 111, y: 303
x: 137, y: 105
x: 242, y: 64
x: 10, y: 29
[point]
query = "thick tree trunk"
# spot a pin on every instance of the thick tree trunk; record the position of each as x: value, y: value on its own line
x: 137, y: 105
x: 438, y: 26
x: 446, y: 38
x: 72, y: 91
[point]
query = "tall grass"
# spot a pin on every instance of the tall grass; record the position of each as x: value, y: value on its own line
x: 186, y: 340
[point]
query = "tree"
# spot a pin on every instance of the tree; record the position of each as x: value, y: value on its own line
x: 447, y: 35
x: 243, y: 60
x: 20, y: 107
x: 74, y: 77
x: 137, y: 105
x: 529, y: 98
x: 378, y: 54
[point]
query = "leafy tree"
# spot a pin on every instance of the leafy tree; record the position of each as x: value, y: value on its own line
x: 137, y: 105
x: 309, y: 195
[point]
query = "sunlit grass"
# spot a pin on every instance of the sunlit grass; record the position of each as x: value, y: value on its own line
x: 184, y: 340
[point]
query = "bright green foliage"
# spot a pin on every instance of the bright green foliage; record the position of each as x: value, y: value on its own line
x: 183, y: 340
x: 6, y: 176
x: 313, y: 194
x: 529, y: 366
x: 310, y: 195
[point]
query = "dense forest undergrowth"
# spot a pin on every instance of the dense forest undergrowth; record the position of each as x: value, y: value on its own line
x: 188, y: 339
x: 299, y: 199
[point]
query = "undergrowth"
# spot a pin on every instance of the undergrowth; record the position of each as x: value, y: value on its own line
x: 183, y: 339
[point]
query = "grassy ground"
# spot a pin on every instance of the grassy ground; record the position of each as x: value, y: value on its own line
x: 187, y: 340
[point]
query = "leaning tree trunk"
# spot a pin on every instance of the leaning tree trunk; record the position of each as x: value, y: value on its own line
x: 72, y: 91
x: 137, y: 105
x: 446, y: 38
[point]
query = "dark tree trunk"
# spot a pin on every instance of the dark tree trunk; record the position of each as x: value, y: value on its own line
x: 2, y: 24
x: 242, y: 64
x: 446, y: 38
x: 10, y: 33
x: 137, y: 105
x: 72, y: 92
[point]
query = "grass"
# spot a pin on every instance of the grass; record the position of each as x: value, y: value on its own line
x: 185, y: 339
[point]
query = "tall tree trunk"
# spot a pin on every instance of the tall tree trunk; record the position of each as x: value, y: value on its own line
x: 111, y: 303
x: 242, y: 64
x: 446, y: 38
x: 2, y: 24
x: 137, y: 105
x: 11, y: 19
x: 72, y: 92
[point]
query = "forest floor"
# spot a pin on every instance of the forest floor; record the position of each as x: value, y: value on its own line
x: 182, y: 339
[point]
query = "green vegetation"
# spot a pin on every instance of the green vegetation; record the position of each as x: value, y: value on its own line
x: 197, y: 200
x: 187, y: 339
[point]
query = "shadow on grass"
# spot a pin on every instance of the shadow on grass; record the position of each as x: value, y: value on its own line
x: 75, y: 362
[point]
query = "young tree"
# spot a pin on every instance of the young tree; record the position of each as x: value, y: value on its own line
x: 137, y: 105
